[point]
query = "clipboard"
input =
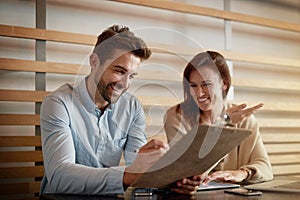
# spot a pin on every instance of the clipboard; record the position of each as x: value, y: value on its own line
x: 196, y: 152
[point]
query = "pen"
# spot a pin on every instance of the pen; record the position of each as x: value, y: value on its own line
x: 143, y: 194
x: 143, y: 191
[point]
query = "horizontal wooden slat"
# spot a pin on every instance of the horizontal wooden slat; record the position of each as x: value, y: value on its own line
x: 20, y: 141
x: 286, y: 169
x: 283, y: 148
x: 19, y: 119
x: 21, y: 156
x: 49, y: 35
x: 20, y: 188
x: 285, y: 158
x: 21, y: 172
x: 279, y: 123
x: 280, y: 138
x: 261, y: 59
x: 41, y: 66
x: 266, y: 84
x: 22, y: 95
x: 193, y: 9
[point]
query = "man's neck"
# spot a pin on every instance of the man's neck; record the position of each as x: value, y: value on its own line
x: 95, y: 95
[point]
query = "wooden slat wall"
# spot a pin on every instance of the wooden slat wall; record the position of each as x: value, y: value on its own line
x: 283, y: 147
x: 198, y: 10
x: 21, y: 178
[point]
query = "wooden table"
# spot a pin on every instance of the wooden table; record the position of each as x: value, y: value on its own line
x: 207, y: 195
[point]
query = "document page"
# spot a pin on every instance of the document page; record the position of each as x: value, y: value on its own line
x: 195, y: 153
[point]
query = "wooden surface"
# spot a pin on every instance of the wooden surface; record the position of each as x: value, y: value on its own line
x: 210, y: 195
x: 207, y: 195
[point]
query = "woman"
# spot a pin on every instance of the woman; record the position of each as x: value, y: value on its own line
x: 206, y: 83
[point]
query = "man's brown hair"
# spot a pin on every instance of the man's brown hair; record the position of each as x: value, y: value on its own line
x: 120, y: 37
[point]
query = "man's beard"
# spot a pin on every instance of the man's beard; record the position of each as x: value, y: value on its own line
x: 103, y: 91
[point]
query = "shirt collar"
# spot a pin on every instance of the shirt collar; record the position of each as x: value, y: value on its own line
x: 84, y: 96
x: 86, y: 100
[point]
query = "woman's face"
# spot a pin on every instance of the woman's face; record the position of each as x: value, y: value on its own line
x: 206, y: 87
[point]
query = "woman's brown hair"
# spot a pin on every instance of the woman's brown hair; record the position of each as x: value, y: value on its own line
x: 188, y: 108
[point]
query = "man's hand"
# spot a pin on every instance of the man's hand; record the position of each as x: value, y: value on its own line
x: 238, y: 113
x: 147, y: 155
x: 189, y: 185
x: 235, y: 176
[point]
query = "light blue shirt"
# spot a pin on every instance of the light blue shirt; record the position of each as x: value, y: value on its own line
x: 82, y: 147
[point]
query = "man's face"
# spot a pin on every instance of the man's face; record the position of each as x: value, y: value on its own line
x: 117, y: 76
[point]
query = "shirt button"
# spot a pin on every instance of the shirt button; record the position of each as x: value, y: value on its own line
x: 97, y: 112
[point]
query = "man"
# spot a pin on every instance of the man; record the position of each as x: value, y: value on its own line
x: 87, y: 126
